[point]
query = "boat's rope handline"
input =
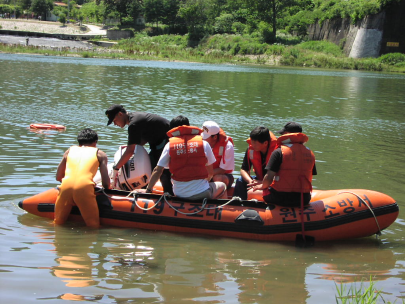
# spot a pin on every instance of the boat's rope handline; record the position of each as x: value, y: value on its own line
x: 165, y: 195
x: 142, y: 208
x: 368, y: 206
x: 233, y: 199
x: 204, y: 203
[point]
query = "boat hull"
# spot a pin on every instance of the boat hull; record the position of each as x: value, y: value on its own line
x: 331, y: 215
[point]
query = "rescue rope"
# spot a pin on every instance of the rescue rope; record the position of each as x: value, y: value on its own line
x: 368, y: 206
x: 185, y: 213
x: 165, y: 195
x: 145, y: 209
x: 233, y: 199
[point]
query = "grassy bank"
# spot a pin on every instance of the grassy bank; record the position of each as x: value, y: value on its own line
x: 234, y: 49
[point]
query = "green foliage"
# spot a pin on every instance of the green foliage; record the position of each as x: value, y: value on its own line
x: 397, y: 59
x: 238, y: 27
x: 266, y: 32
x: 358, y: 294
x: 194, y: 14
x: 321, y: 10
x: 62, y: 18
x: 58, y: 10
x: 92, y: 11
x: 153, y: 10
x: 124, y: 10
x: 275, y: 49
x: 354, y: 9
x: 224, y: 23
x: 299, y: 23
x: 325, y: 47
x: 5, y: 8
x: 41, y: 7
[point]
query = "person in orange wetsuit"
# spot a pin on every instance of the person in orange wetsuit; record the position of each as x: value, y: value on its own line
x: 76, y: 171
x: 288, y: 181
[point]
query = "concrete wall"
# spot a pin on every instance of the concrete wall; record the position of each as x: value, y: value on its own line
x: 117, y: 34
x: 371, y: 37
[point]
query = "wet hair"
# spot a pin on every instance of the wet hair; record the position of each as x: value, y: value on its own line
x: 87, y: 136
x: 179, y: 121
x: 260, y: 134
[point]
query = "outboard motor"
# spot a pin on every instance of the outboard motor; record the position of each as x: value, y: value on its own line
x: 135, y: 174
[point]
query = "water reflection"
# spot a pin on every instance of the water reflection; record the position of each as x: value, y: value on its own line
x: 125, y: 264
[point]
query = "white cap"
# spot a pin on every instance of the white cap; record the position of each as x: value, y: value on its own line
x: 209, y: 128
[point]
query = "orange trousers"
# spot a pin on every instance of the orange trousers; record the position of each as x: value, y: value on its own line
x: 83, y: 197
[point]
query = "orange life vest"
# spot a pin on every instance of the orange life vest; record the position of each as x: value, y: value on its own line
x: 295, y: 174
x: 255, y: 157
x: 220, y: 148
x: 187, y: 157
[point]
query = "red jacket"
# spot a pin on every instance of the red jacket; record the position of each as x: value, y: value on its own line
x: 187, y: 157
x: 255, y: 157
x: 295, y: 174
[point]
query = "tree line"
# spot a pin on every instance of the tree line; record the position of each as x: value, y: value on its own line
x: 198, y: 18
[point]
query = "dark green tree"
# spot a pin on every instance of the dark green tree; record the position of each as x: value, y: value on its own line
x: 153, y: 10
x: 194, y: 14
x: 170, y: 11
x: 41, y: 7
x: 25, y: 4
x: 126, y: 10
x: 268, y: 12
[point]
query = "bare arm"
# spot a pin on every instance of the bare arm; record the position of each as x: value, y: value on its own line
x: 246, y: 176
x: 60, y: 172
x: 210, y: 170
x: 103, y: 160
x: 267, y: 180
x: 156, y: 173
x: 126, y: 156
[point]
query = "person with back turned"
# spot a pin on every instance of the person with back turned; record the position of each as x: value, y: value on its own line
x: 290, y: 169
x: 143, y: 128
x: 76, y: 171
x: 190, y: 160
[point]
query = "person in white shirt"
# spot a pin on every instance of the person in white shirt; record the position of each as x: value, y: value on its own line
x: 190, y: 160
x: 223, y: 148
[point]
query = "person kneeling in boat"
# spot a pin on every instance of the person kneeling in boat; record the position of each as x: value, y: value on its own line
x: 262, y: 143
x: 222, y: 147
x: 190, y: 160
x: 76, y: 171
x: 289, y: 171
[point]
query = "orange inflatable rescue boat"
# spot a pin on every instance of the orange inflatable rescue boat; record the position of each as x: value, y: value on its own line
x: 331, y: 215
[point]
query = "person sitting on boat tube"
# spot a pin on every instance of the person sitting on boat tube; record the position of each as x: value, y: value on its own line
x: 76, y: 171
x: 143, y: 128
x: 222, y: 146
x: 289, y: 170
x: 262, y: 143
x: 190, y: 160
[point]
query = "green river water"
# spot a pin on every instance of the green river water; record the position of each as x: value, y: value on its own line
x: 356, y: 125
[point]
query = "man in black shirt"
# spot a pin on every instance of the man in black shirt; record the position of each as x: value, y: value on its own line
x: 143, y: 128
x: 289, y: 170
